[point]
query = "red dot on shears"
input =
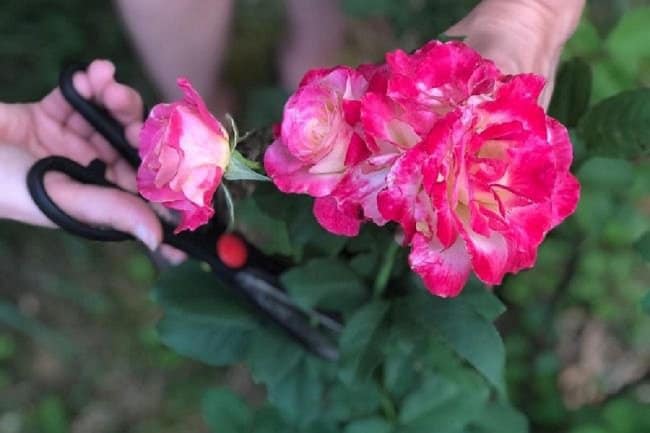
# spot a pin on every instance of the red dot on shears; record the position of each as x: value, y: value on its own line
x: 232, y: 250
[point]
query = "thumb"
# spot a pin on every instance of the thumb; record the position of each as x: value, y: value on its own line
x: 106, y: 207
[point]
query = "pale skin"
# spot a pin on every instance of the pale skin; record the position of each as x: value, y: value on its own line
x: 519, y: 35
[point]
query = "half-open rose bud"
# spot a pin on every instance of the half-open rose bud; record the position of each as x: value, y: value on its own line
x: 318, y: 140
x: 185, y: 152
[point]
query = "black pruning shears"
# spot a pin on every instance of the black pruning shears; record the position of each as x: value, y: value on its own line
x: 256, y: 281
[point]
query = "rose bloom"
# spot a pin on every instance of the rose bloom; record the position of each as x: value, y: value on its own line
x: 483, y: 189
x: 185, y: 152
x: 321, y: 142
x: 318, y: 140
x: 439, y: 141
x: 404, y: 99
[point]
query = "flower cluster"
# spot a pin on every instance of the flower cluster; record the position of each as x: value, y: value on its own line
x: 439, y: 141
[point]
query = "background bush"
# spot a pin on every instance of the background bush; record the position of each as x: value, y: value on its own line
x: 79, y: 350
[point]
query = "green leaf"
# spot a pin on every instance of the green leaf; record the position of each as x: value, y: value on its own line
x: 298, y: 396
x: 594, y: 210
x: 240, y: 168
x: 482, y: 300
x: 585, y: 42
x: 628, y: 44
x: 203, y: 319
x: 51, y: 416
x: 225, y: 412
x: 202, y: 340
x: 606, y: 174
x: 618, y: 126
x: 434, y: 391
x: 326, y: 283
x: 190, y: 292
x: 498, y: 417
x: 359, y: 400
x: 268, y: 420
x: 369, y: 425
x: 451, y: 415
x: 272, y: 356
x: 643, y: 246
x: 360, y: 342
x: 267, y: 233
x: 471, y: 335
x: 609, y: 79
x: 572, y: 92
x: 288, y: 224
x: 294, y: 379
x: 7, y: 347
x: 579, y: 146
x: 307, y: 237
x: 645, y: 303
x: 625, y: 225
x: 399, y: 372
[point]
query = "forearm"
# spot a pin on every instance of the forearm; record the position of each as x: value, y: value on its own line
x: 177, y: 38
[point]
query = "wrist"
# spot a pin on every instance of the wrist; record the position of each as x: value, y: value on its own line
x: 554, y: 20
x: 520, y: 35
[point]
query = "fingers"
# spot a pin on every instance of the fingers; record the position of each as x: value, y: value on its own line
x: 123, y: 102
x: 122, y: 174
x: 132, y: 133
x: 98, y: 83
x: 56, y: 107
x: 106, y: 207
x: 172, y: 255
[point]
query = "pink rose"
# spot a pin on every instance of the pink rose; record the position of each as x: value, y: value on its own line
x: 403, y: 101
x: 483, y: 189
x: 462, y: 157
x: 185, y: 152
x: 319, y: 137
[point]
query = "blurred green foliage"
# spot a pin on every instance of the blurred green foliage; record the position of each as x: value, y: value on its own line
x: 596, y: 264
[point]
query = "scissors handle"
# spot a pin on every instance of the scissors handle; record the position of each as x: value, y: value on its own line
x: 93, y: 174
x: 98, y: 117
x: 250, y: 282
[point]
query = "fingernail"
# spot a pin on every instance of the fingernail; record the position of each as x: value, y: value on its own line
x: 147, y: 237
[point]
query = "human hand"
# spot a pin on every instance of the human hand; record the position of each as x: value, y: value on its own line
x: 522, y: 35
x: 36, y: 130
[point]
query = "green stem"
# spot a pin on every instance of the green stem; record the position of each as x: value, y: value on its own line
x: 388, y: 407
x: 231, y: 207
x: 386, y: 268
x: 234, y: 138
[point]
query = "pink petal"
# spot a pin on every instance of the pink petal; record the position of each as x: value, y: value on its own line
x: 489, y: 255
x: 357, y: 151
x: 335, y: 221
x: 351, y: 111
x: 521, y: 86
x: 558, y: 137
x: 444, y: 270
x: 291, y: 176
x: 565, y: 198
